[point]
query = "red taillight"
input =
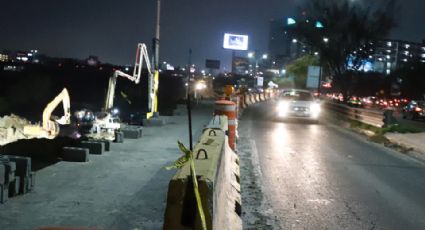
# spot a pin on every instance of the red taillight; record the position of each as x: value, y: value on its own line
x: 417, y: 109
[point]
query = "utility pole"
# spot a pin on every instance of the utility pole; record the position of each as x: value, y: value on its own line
x: 189, y: 110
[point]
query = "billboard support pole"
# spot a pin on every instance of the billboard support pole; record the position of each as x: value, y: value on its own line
x: 233, y: 61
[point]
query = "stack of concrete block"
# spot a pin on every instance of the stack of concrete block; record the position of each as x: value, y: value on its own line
x: 24, y: 177
x: 16, y: 177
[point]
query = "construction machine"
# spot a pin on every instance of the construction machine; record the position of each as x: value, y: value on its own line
x: 50, y: 128
x: 106, y: 120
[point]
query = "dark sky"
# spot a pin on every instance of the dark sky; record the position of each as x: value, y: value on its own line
x: 111, y: 29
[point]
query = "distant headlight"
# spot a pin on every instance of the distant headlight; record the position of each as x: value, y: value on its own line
x: 315, y: 109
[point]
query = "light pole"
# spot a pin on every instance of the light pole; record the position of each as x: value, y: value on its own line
x: 253, y: 55
x: 325, y: 40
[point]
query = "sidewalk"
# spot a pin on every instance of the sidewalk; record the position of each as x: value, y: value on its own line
x: 125, y: 188
x: 415, y: 141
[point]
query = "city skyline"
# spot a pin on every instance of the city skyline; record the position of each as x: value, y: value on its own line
x: 111, y: 32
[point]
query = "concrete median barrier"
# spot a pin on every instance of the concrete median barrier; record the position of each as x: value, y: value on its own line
x: 218, y: 185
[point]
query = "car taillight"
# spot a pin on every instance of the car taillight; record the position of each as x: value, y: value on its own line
x: 417, y: 109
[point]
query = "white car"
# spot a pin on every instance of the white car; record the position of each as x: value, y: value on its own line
x: 298, y: 103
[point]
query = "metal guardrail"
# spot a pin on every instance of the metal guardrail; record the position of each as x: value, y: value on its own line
x: 377, y: 118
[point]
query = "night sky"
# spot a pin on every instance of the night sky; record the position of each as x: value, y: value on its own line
x: 111, y: 29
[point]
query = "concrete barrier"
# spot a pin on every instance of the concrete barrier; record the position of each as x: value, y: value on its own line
x: 94, y: 147
x: 262, y: 97
x: 74, y: 154
x: 217, y: 181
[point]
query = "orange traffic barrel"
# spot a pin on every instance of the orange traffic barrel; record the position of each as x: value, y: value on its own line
x: 228, y: 108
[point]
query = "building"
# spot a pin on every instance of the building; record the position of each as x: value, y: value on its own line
x: 390, y: 55
x: 4, y: 57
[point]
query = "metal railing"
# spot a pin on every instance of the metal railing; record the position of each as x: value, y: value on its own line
x: 377, y: 118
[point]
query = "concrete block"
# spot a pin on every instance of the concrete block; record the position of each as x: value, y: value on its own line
x: 75, y: 154
x: 94, y: 147
x: 23, y: 165
x: 10, y: 168
x: 131, y: 133
x: 10, y: 172
x: 14, y: 187
x: 2, y: 174
x: 107, y: 144
x: 24, y: 185
x: 32, y: 181
x: 155, y: 121
x: 4, y: 193
x: 119, y: 137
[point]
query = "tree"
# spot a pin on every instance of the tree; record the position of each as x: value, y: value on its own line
x: 348, y: 32
x: 299, y: 68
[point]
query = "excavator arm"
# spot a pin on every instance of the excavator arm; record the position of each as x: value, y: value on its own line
x: 50, y: 128
x: 50, y: 125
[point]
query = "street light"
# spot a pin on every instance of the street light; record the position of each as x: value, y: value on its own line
x: 265, y: 56
x: 326, y: 40
x: 250, y: 54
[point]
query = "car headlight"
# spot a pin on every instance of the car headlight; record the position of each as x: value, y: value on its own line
x: 283, y: 108
x: 315, y: 109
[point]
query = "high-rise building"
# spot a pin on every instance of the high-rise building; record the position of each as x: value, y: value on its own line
x: 392, y: 54
x: 385, y: 56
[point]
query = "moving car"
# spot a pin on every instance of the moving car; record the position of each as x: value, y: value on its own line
x: 298, y: 103
x: 414, y: 110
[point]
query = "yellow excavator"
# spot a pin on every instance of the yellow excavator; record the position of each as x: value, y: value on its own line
x: 50, y: 128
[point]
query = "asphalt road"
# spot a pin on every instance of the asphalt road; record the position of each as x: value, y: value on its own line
x: 298, y: 175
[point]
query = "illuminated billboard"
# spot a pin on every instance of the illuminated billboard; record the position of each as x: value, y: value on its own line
x: 235, y: 42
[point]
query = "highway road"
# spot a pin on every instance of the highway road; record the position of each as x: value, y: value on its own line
x: 298, y: 175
